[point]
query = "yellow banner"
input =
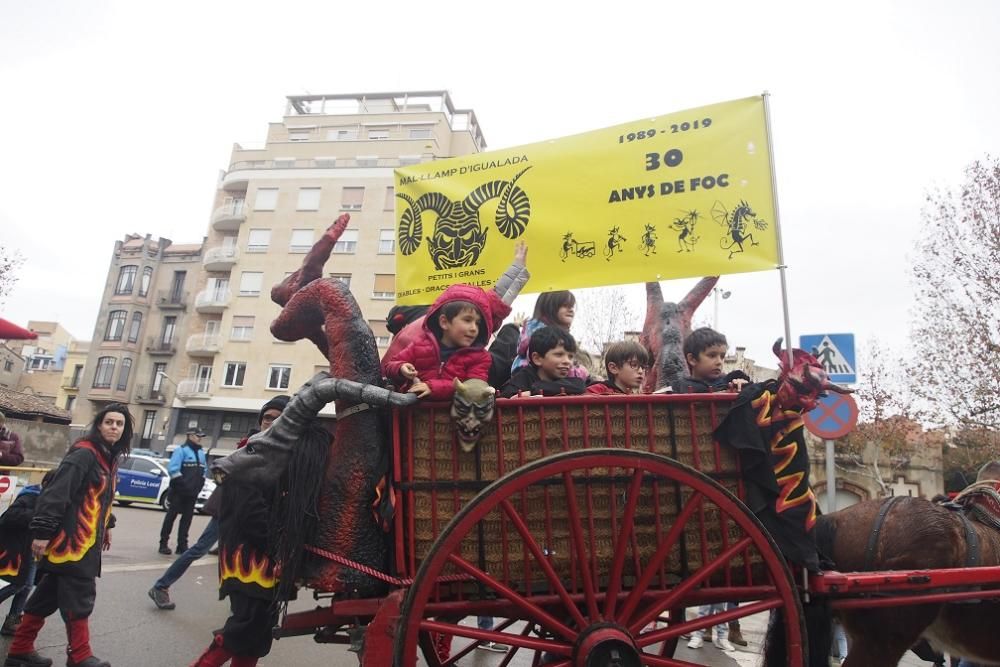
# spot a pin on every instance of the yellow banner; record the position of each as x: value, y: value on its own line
x: 686, y: 194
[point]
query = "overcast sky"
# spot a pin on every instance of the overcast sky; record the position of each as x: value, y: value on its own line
x: 117, y: 117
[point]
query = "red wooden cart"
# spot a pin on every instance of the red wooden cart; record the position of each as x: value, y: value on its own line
x: 585, y: 526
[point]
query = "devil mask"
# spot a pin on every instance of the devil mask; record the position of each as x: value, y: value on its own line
x: 471, y: 410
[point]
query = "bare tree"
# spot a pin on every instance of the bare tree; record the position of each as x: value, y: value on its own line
x: 956, y: 328
x: 887, y: 434
x: 10, y: 262
x: 603, y: 316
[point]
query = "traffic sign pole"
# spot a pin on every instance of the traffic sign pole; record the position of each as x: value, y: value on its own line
x: 831, y: 479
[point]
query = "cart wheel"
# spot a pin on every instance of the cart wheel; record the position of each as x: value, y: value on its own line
x: 596, y: 568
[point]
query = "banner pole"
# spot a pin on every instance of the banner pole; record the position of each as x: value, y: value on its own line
x: 777, y: 231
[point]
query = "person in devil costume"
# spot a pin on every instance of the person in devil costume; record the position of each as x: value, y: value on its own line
x: 71, y: 526
x: 247, y: 576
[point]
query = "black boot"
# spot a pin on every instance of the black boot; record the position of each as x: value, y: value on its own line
x: 164, y: 549
x: 30, y: 659
x: 10, y: 625
x: 92, y: 661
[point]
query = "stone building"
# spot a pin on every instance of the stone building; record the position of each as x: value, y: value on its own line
x: 183, y: 330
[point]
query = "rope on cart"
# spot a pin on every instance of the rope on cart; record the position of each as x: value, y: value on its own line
x: 372, y: 572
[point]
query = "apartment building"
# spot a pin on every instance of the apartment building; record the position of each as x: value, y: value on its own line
x: 215, y: 362
x: 44, y: 359
x: 11, y: 366
x: 72, y: 375
x: 134, y: 349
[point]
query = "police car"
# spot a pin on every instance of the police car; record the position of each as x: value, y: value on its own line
x: 144, y: 479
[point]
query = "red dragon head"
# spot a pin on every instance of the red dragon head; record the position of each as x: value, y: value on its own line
x: 804, y: 383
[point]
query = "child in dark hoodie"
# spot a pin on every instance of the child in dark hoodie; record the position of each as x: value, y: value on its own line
x: 17, y: 566
x: 705, y: 350
x: 550, y: 351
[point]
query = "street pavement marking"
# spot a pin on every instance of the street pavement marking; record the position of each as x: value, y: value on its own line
x: 141, y: 567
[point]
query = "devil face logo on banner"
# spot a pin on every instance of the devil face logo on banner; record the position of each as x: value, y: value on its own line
x: 458, y: 237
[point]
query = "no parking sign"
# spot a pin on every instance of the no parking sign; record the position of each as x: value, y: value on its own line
x: 8, y: 489
x: 834, y: 417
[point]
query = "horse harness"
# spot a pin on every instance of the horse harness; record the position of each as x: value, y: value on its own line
x: 972, y: 553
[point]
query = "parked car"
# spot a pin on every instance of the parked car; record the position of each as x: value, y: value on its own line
x: 144, y: 479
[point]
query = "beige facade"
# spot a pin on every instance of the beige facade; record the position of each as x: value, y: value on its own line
x: 137, y: 345
x: 72, y: 375
x: 11, y: 367
x: 44, y: 359
x: 330, y: 154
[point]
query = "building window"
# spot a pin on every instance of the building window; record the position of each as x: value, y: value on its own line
x: 420, y: 133
x: 378, y: 135
x: 390, y: 198
x: 148, y: 424
x: 159, y: 370
x: 258, y: 240
x: 147, y: 277
x: 123, y: 374
x: 8, y: 366
x: 385, y: 286
x: 133, y: 332
x: 352, y: 199
x: 298, y: 135
x: 342, y: 277
x: 234, y: 373
x: 116, y: 325
x: 169, y: 325
x: 308, y: 199
x: 406, y: 160
x: 278, y: 376
x: 266, y: 199
x: 105, y: 371
x: 250, y: 283
x: 386, y: 242
x: 325, y: 162
x: 70, y: 402
x: 284, y: 163
x: 126, y: 279
x: 301, y: 241
x: 177, y: 287
x: 380, y: 331
x: 242, y: 327
x: 77, y: 373
x: 342, y: 135
x: 366, y: 160
x: 348, y: 242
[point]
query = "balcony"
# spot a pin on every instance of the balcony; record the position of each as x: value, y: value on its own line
x: 193, y: 388
x: 148, y: 396
x: 171, y: 300
x: 220, y: 259
x: 204, y: 345
x: 229, y: 217
x: 212, y: 300
x: 156, y: 346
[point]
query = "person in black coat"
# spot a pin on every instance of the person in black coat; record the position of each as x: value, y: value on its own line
x: 17, y: 566
x: 70, y: 528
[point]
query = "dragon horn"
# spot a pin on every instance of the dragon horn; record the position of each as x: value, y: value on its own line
x: 323, y: 389
x: 825, y: 383
x: 830, y: 386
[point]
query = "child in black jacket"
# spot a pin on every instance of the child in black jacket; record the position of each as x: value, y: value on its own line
x: 550, y: 351
x: 705, y: 350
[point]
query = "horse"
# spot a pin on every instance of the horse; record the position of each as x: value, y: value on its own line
x: 914, y: 534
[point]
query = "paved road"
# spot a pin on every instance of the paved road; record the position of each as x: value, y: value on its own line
x: 129, y: 631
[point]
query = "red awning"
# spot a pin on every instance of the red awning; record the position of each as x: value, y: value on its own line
x: 10, y: 331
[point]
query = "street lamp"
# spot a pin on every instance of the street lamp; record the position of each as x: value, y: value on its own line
x: 718, y: 292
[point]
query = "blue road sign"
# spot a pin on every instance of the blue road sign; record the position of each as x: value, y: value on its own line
x: 835, y: 352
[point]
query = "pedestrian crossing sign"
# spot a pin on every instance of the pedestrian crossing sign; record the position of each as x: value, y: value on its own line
x: 835, y: 353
